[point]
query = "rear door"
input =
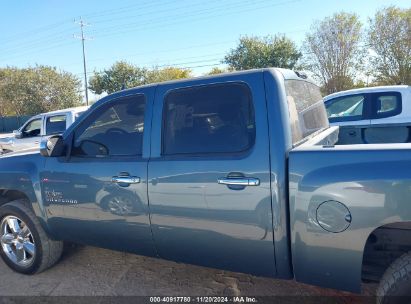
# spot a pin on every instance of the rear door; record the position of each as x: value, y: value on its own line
x: 208, y: 175
x: 388, y: 124
x: 55, y: 124
x: 352, y: 114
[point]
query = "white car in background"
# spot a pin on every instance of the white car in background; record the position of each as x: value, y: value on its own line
x: 371, y: 115
x: 33, y: 130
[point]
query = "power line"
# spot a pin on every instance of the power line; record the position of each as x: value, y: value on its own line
x: 155, y: 12
x: 58, y: 37
x: 127, y: 8
x: 42, y: 50
x: 36, y: 31
x: 182, y: 68
x: 117, y: 58
x: 222, y: 10
x: 112, y: 31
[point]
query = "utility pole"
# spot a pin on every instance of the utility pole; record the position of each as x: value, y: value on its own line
x: 82, y: 24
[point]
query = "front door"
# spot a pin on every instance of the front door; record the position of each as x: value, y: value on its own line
x: 98, y: 195
x: 209, y: 182
x: 30, y: 135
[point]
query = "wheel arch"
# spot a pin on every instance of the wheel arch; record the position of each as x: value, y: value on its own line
x: 384, y: 245
x: 8, y: 195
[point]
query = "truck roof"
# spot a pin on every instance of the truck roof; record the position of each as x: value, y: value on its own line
x: 74, y: 110
x: 391, y: 88
x: 287, y: 74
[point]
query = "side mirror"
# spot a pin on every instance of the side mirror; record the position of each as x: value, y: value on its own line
x: 17, y: 134
x: 52, y: 147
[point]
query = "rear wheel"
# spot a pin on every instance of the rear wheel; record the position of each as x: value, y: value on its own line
x: 395, y: 285
x: 25, y: 246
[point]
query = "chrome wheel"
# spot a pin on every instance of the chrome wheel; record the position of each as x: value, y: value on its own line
x: 120, y: 205
x: 17, y: 241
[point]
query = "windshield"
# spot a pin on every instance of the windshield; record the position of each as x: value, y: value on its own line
x: 306, y: 109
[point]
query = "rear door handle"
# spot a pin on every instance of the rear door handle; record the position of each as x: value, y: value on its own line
x: 125, y: 179
x: 243, y: 181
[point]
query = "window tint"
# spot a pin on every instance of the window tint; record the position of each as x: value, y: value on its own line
x: 208, y: 119
x: 306, y: 108
x: 33, y: 128
x: 55, y: 124
x: 347, y: 106
x: 115, y: 130
x: 388, y: 105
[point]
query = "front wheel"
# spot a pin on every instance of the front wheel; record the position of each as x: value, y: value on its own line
x: 395, y: 285
x: 25, y: 246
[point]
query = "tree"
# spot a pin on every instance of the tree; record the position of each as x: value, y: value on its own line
x: 333, y: 52
x: 389, y: 37
x: 255, y: 52
x: 217, y: 70
x: 125, y: 75
x: 119, y: 76
x: 39, y: 89
x: 165, y: 74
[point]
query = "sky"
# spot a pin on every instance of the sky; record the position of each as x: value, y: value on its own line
x: 194, y: 34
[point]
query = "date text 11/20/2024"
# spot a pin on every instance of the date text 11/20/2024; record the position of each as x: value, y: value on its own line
x: 238, y: 299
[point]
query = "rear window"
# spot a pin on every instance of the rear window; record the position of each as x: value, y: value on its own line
x: 388, y: 104
x: 216, y: 118
x: 306, y: 109
x: 56, y: 124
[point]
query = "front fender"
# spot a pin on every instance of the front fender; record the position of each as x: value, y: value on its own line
x: 20, y: 172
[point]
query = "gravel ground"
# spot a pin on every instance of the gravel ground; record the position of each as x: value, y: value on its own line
x: 89, y: 271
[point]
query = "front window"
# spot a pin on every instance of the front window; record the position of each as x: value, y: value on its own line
x: 115, y: 130
x: 32, y: 129
x: 306, y: 109
x: 346, y: 108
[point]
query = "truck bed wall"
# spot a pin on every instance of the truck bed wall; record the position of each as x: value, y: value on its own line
x: 374, y: 134
x: 372, y: 181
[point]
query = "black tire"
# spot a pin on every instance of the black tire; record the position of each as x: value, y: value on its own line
x: 395, y: 285
x: 47, y: 251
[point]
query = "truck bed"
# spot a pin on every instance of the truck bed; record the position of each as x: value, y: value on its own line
x: 361, y: 186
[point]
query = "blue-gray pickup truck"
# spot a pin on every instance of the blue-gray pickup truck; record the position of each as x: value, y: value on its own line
x: 237, y: 171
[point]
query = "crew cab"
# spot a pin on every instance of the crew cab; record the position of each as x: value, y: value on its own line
x: 237, y: 171
x: 32, y: 131
x: 371, y: 115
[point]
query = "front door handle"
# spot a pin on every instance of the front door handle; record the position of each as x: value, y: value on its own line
x: 242, y: 181
x: 125, y: 179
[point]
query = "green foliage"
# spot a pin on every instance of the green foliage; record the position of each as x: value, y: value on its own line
x: 125, y: 75
x: 333, y: 51
x: 165, y: 74
x: 120, y: 75
x: 217, y: 70
x: 389, y: 37
x: 37, y: 89
x: 255, y: 52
